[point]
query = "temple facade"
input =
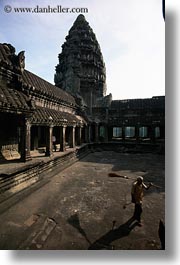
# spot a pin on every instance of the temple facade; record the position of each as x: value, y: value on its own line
x: 37, y: 115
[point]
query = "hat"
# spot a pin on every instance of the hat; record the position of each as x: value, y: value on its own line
x: 140, y: 178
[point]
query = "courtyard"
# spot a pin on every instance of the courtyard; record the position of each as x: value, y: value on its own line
x: 81, y: 207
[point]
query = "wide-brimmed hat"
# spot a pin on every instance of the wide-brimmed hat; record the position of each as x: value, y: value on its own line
x: 140, y: 178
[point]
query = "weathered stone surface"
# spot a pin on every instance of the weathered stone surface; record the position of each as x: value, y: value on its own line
x: 87, y: 207
x: 20, y: 179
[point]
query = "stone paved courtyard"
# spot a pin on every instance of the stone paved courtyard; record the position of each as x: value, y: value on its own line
x: 82, y: 207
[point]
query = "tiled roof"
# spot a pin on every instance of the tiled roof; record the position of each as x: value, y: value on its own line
x: 43, y: 87
x: 44, y: 116
x: 39, y: 85
x: 13, y: 99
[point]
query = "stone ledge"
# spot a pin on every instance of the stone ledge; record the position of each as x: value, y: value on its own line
x: 40, y: 173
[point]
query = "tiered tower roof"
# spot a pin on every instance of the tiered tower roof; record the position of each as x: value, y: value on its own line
x: 81, y: 69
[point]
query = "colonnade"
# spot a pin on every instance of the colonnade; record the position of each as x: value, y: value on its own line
x: 65, y: 135
x: 73, y: 136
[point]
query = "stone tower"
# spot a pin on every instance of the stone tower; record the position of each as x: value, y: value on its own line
x: 81, y: 69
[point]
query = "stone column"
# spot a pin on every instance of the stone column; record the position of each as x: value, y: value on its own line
x: 89, y: 133
x: 96, y: 132
x: 86, y: 132
x: 123, y: 133
x: 72, y: 137
x: 152, y: 133
x: 39, y: 134
x: 63, y: 138
x: 25, y: 141
x: 106, y: 133
x: 49, y: 144
x: 79, y: 135
x: 137, y: 133
x: 110, y: 133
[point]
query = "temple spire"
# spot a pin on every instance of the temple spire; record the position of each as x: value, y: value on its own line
x: 81, y: 17
x: 81, y: 69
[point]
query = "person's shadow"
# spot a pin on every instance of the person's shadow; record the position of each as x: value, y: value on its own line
x: 105, y: 241
x: 75, y: 222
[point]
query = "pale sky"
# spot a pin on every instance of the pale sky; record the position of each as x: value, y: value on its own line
x: 131, y: 34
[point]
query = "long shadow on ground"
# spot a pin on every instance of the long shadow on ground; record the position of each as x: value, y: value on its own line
x: 105, y: 241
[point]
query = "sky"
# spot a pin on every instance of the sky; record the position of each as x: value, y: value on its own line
x: 131, y: 34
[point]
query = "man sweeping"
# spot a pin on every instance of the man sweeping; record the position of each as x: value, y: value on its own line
x: 137, y: 196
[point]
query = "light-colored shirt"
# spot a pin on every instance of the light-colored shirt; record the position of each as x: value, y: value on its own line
x: 137, y: 191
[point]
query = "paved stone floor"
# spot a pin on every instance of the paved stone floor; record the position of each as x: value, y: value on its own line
x: 82, y: 207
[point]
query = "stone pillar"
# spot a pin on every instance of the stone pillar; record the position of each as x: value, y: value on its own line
x: 96, y: 132
x: 87, y: 136
x: 123, y: 133
x: 79, y: 135
x: 152, y: 133
x: 110, y: 133
x: 28, y: 140
x: 39, y: 134
x: 72, y: 137
x: 89, y: 133
x: 63, y: 138
x: 25, y: 141
x: 49, y: 144
x: 137, y: 133
x: 106, y: 133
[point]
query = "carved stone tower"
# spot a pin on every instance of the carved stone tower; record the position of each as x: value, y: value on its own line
x: 81, y: 69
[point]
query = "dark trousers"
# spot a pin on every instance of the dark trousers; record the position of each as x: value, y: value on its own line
x: 54, y: 145
x: 138, y: 212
